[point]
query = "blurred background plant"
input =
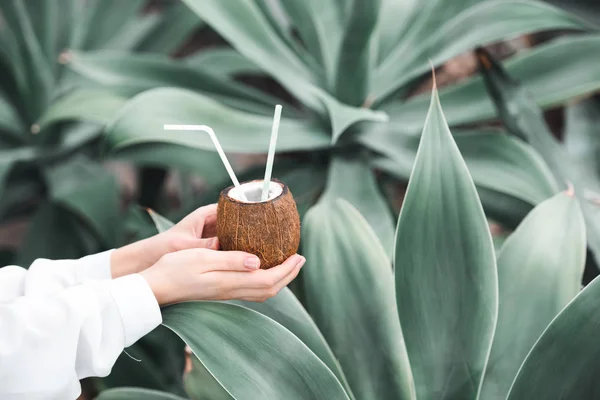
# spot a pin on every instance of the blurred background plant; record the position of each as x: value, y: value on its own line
x: 88, y: 84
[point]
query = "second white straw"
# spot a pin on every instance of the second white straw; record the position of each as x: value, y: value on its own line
x: 271, y: 156
x: 213, y: 137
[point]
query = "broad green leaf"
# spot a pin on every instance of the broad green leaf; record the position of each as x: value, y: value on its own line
x: 93, y: 105
x: 162, y: 224
x: 286, y: 310
x: 91, y: 193
x: 10, y: 124
x: 133, y: 33
x: 524, y: 118
x: 39, y: 72
x: 105, y: 18
x: 56, y: 234
x: 320, y: 25
x: 263, y: 359
x: 572, y: 74
x: 354, y: 181
x: 342, y: 116
x: 540, y: 268
x: 223, y: 61
x: 355, y: 58
x: 156, y: 362
x: 495, y: 160
x: 394, y: 21
x: 131, y: 74
x: 142, y: 119
x: 201, y: 385
x: 350, y: 294
x: 176, y: 25
x: 248, y: 30
x: 582, y: 135
x: 136, y: 394
x: 564, y: 360
x: 45, y: 20
x: 204, y: 163
x: 482, y: 23
x: 445, y: 269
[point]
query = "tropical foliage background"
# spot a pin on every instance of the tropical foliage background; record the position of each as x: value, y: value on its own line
x: 450, y: 219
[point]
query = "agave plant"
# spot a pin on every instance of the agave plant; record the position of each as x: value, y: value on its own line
x: 79, y: 210
x: 450, y: 321
x: 348, y: 69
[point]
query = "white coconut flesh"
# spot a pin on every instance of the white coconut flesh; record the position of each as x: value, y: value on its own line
x: 253, y: 191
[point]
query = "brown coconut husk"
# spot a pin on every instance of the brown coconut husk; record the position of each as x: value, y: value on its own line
x: 269, y: 229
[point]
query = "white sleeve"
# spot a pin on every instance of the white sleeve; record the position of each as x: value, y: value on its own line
x: 59, y: 326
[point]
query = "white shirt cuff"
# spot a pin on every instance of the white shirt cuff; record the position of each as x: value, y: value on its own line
x: 94, y: 267
x: 140, y: 312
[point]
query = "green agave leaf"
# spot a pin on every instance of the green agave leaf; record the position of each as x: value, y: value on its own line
x: 564, y: 361
x: 572, y: 74
x: 131, y: 74
x: 162, y: 224
x: 395, y: 19
x: 156, y: 362
x: 136, y: 394
x: 91, y: 193
x: 495, y: 160
x: 482, y: 23
x: 353, y: 181
x: 56, y: 234
x: 45, y: 21
x: 10, y: 124
x: 103, y: 19
x: 582, y: 135
x: 40, y: 81
x: 320, y: 25
x: 176, y: 24
x: 343, y: 116
x: 356, y: 56
x: 263, y: 359
x: 524, y: 118
x: 187, y: 159
x: 201, y: 385
x: 540, y: 268
x: 447, y: 298
x: 223, y: 61
x: 249, y: 31
x: 286, y: 310
x: 93, y: 105
x: 133, y: 33
x: 142, y: 120
x: 350, y: 294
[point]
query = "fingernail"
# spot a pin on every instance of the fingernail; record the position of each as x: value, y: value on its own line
x: 252, y: 262
x: 301, y: 262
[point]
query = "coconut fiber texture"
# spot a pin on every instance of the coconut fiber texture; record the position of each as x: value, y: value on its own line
x: 270, y: 229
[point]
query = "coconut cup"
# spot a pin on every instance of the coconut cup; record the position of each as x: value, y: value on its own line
x: 269, y: 229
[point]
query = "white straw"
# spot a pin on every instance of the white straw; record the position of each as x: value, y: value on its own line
x: 271, y: 156
x: 213, y: 137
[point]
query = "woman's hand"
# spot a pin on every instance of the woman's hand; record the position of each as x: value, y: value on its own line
x: 204, y: 274
x: 197, y: 230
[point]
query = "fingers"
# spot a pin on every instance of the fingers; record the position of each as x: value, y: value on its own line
x: 228, y: 261
x: 268, y: 291
x: 211, y: 243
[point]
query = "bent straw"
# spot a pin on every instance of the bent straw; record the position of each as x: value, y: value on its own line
x: 271, y: 156
x: 215, y: 141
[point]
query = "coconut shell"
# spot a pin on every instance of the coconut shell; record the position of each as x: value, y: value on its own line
x: 269, y: 229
